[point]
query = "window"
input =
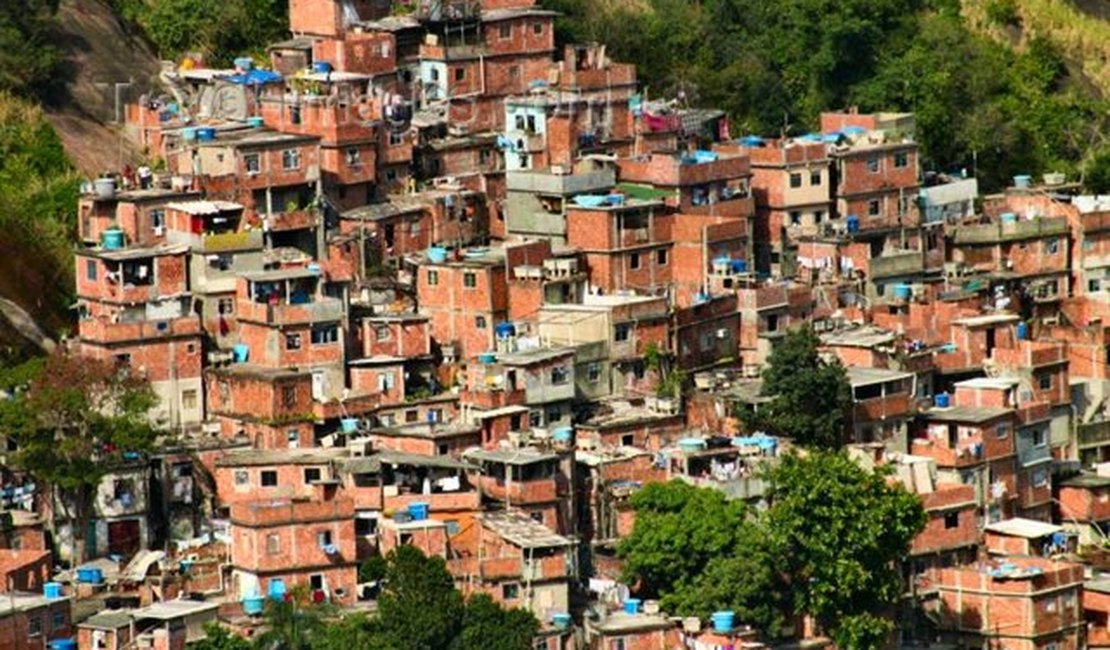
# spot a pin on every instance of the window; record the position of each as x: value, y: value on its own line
x: 460, y: 74
x: 1051, y: 246
x: 951, y: 520
x: 412, y: 415
x: 34, y: 626
x: 470, y: 279
x: 58, y: 621
x: 815, y: 178
x: 269, y: 478
x: 818, y: 216
x: 242, y: 477
x: 433, y: 278
x: 273, y: 544
x: 382, y: 332
x: 252, y: 162
x: 634, y: 261
x: 311, y: 474
x: 901, y: 159
x: 537, y: 28
x: 506, y: 31
x: 617, y: 644
x: 510, y: 591
x: 324, y: 334
x: 480, y: 322
x: 289, y: 396
x: 873, y: 207
x: 157, y: 219
x: 123, y: 360
x: 622, y: 332
x: 225, y: 306
x: 1040, y: 478
x: 536, y: 517
x: 1044, y: 381
x: 90, y: 270
x: 1094, y: 285
x: 396, y: 138
x: 1038, y: 437
x: 873, y: 165
x: 293, y: 437
x: 1050, y: 605
x: 293, y: 341
x: 189, y: 399
x: 795, y: 218
x: 323, y: 538
x: 593, y: 372
x: 773, y: 323
x: 295, y: 114
x: 291, y: 159
x: 559, y: 376
x: 354, y: 156
x: 453, y: 527
x: 661, y: 257
x: 795, y: 180
x: 385, y: 382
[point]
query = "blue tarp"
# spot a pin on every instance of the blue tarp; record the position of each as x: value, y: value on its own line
x: 254, y: 78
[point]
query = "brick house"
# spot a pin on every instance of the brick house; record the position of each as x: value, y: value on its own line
x: 29, y: 621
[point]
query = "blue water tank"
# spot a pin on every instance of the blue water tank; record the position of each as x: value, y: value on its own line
x: 206, y: 134
x: 563, y: 434
x: 751, y: 141
x: 903, y: 291
x: 723, y: 621
x: 242, y: 352
x: 437, y: 254
x: 853, y: 223
x: 244, y: 63
x: 348, y: 425
x: 189, y: 133
x: 112, y: 239
x: 90, y: 575
x: 505, y: 330
x: 941, y: 400
x: 63, y: 644
x: 321, y: 67
x: 1008, y: 217
x: 631, y: 605
x: 1022, y: 331
x: 252, y: 606
x: 487, y: 358
x: 255, y: 122
x: 739, y: 266
x: 52, y: 590
x: 418, y: 510
x: 276, y: 589
x: 561, y: 621
x: 691, y: 444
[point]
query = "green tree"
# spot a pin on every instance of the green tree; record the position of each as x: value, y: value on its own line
x: 839, y: 532
x: 73, y: 422
x: 217, y: 29
x: 810, y: 397
x: 699, y: 552
x: 488, y: 626
x: 217, y: 637
x: 292, y: 623
x: 29, y: 59
x: 419, y: 606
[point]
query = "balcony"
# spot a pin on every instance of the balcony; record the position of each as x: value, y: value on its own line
x: 294, y: 220
x: 280, y: 512
x: 999, y: 232
x: 965, y: 456
x: 541, y: 182
x: 881, y: 408
x: 462, y: 501
x: 539, y: 491
x: 1094, y: 434
x: 226, y: 242
x: 900, y: 263
x: 321, y: 311
x: 103, y: 331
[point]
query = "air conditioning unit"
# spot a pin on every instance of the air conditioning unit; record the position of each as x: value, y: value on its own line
x: 722, y: 333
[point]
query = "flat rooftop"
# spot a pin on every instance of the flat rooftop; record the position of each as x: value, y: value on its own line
x: 1019, y: 527
x: 859, y: 376
x: 521, y: 456
x: 986, y: 319
x: 973, y: 414
x: 204, y: 207
x: 993, y: 383
x: 171, y: 609
x: 521, y: 530
x: 256, y: 457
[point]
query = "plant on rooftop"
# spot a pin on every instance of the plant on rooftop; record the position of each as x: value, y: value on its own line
x: 810, y: 396
x: 73, y: 419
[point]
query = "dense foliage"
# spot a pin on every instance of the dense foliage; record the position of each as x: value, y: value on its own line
x: 828, y: 546
x: 775, y: 65
x: 29, y: 58
x: 220, y: 30
x: 810, y: 397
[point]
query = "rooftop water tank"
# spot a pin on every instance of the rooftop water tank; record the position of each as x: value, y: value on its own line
x: 561, y: 620
x: 90, y: 575
x: 437, y: 254
x: 206, y: 134
x: 348, y: 425
x: 487, y: 357
x: 505, y: 330
x: 63, y: 644
x: 189, y: 133
x: 244, y: 63
x: 105, y: 188
x: 276, y: 589
x: 252, y: 605
x: 418, y: 510
x: 723, y: 621
x: 112, y: 239
x: 691, y: 444
x: 321, y: 67
x: 242, y: 352
x: 853, y: 223
x: 1022, y: 331
x: 563, y: 434
x: 631, y: 605
x: 52, y: 590
x: 1022, y: 180
x: 255, y: 122
x: 941, y: 400
x: 903, y: 291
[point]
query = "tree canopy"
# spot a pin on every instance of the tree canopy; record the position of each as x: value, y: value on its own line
x: 810, y: 397
x: 74, y: 419
x: 827, y: 546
